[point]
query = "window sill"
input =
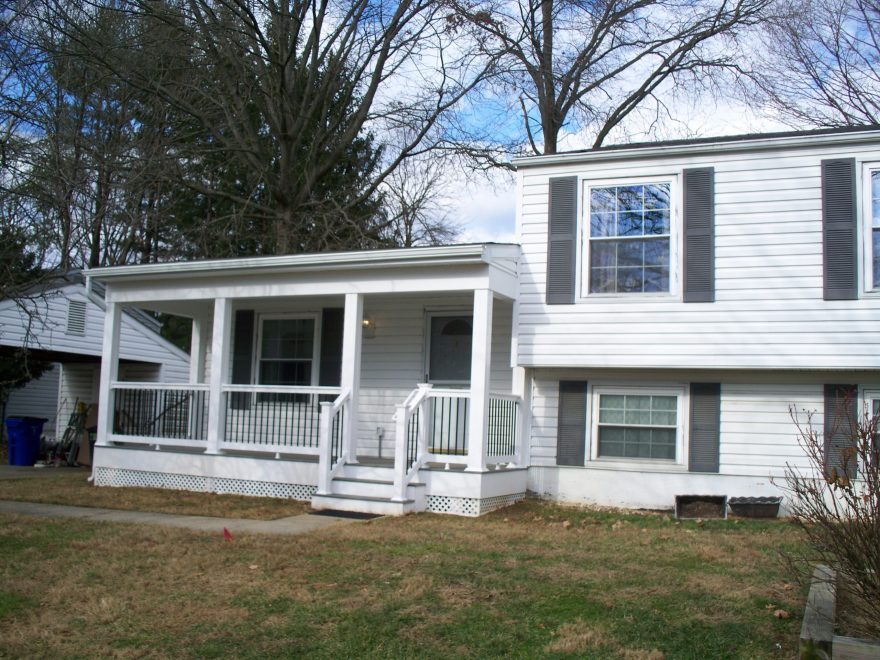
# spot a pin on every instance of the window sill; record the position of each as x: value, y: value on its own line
x: 673, y: 297
x: 636, y: 465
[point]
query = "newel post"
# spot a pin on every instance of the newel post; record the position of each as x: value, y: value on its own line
x: 324, y: 442
x: 400, y: 466
x: 481, y: 354
x: 220, y: 352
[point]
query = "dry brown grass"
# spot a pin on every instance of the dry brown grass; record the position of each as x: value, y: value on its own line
x: 420, y: 586
x: 71, y: 487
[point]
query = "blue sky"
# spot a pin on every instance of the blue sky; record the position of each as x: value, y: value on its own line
x: 485, y: 207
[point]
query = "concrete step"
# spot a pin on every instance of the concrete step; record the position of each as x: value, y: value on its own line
x: 369, y: 487
x: 377, y: 505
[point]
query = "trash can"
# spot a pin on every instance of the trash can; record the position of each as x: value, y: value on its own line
x: 23, y: 434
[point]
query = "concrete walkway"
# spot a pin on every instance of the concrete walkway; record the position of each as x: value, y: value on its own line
x: 291, y: 526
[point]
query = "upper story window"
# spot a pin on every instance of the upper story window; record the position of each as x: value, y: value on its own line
x: 874, y: 239
x: 629, y: 244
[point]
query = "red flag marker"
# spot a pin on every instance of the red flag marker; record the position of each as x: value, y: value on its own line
x: 226, y: 535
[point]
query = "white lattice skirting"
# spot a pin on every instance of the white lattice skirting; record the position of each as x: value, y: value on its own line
x: 105, y: 476
x: 470, y: 506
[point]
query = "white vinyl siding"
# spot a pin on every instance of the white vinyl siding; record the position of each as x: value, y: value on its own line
x: 769, y: 312
x: 48, y: 331
x: 38, y: 398
x: 757, y: 434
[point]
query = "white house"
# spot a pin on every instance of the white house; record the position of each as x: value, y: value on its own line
x: 63, y: 324
x: 668, y: 304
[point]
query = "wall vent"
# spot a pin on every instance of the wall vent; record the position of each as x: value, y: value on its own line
x: 76, y: 318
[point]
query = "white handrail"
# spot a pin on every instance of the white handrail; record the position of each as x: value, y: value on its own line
x: 403, y: 472
x: 141, y: 385
x: 281, y: 389
x: 326, y: 468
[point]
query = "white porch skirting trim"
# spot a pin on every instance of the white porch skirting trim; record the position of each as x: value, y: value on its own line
x: 470, y: 506
x: 107, y: 476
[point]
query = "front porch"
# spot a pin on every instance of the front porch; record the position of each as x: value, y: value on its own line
x: 376, y: 381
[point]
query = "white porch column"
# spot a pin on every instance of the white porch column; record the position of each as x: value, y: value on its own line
x: 197, y: 351
x: 220, y: 350
x: 481, y: 353
x: 522, y: 387
x: 352, y: 339
x: 109, y: 371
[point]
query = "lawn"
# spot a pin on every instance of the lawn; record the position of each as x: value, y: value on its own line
x: 71, y: 487
x: 531, y: 580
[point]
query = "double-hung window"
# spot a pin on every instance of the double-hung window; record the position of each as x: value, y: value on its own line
x: 287, y: 353
x: 872, y: 229
x: 629, y: 243
x: 636, y: 423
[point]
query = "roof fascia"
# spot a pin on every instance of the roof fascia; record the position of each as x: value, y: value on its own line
x: 756, y: 144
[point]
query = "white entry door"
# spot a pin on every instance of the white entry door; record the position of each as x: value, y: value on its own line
x: 449, y: 365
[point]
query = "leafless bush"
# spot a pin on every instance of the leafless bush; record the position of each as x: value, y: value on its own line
x: 836, y: 501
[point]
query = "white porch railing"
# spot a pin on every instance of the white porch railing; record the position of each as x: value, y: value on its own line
x: 432, y: 425
x: 503, y: 431
x: 274, y: 418
x: 333, y: 449
x: 160, y: 414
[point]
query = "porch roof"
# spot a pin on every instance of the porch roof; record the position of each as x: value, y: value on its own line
x: 488, y: 253
x: 176, y: 287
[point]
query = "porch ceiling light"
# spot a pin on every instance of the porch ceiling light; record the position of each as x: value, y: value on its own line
x: 369, y: 327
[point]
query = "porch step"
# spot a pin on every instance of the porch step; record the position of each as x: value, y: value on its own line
x: 376, y: 472
x: 361, y: 504
x: 357, y: 487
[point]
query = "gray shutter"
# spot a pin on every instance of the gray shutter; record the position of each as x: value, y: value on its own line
x: 705, y: 427
x: 562, y: 240
x: 330, y: 368
x: 841, y: 424
x: 840, y: 260
x: 242, y: 357
x: 571, y: 430
x: 699, y: 234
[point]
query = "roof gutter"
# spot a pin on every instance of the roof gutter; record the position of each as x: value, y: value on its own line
x: 708, y: 147
x: 448, y: 255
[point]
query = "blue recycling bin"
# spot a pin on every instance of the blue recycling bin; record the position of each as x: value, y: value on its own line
x: 23, y: 434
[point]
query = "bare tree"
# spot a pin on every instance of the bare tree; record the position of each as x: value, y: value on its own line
x: 820, y: 63
x: 587, y: 65
x: 417, y: 204
x: 294, y: 95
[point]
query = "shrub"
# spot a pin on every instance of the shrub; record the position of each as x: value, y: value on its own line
x: 836, y: 501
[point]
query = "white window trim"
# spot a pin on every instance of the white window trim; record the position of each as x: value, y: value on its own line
x: 316, y: 343
x: 863, y: 208
x: 869, y: 394
x: 675, y: 236
x: 429, y: 316
x: 679, y: 390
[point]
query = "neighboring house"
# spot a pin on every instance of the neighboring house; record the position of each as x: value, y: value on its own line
x: 63, y: 324
x: 669, y: 303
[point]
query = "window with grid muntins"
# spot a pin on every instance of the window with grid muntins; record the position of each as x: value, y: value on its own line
x: 630, y: 238
x: 875, y: 227
x: 286, y: 354
x: 637, y: 426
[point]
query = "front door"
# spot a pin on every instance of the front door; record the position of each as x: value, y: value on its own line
x: 449, y: 366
